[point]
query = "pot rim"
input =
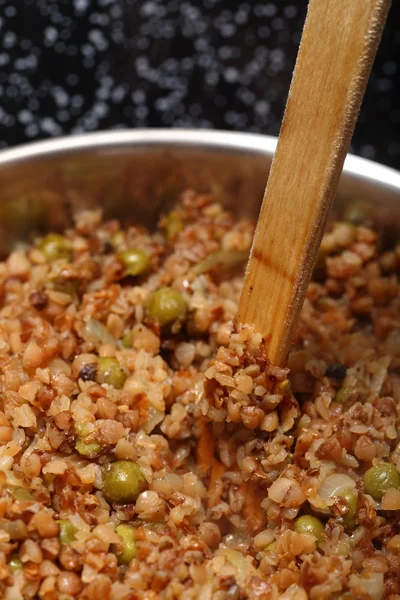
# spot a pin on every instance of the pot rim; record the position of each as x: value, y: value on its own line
x: 200, y: 138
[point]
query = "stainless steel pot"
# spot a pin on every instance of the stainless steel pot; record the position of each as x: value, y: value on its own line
x: 137, y: 173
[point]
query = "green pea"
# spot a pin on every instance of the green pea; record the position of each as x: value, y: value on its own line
x: 349, y: 495
x: 90, y: 449
x: 110, y: 371
x: 135, y: 261
x: 123, y: 482
x: 15, y: 563
x: 66, y: 532
x: 310, y: 524
x: 128, y: 551
x: 55, y: 246
x: 166, y: 305
x: 380, y: 478
x: 173, y: 226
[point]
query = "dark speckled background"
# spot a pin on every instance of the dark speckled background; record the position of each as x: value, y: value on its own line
x: 82, y: 65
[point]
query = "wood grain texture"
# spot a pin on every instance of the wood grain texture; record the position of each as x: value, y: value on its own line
x: 338, y: 46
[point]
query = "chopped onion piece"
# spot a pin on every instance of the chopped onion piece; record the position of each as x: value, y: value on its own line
x: 245, y: 569
x: 97, y: 334
x: 154, y: 418
x: 228, y: 259
x: 333, y: 485
x: 372, y: 585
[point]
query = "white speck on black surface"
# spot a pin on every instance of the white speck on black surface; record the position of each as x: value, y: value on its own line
x: 84, y: 65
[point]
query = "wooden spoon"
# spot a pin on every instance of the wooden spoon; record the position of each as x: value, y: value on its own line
x: 337, y: 49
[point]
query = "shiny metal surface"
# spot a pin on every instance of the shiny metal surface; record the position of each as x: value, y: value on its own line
x: 137, y: 173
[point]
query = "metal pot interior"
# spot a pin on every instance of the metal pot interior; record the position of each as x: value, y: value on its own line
x: 136, y: 175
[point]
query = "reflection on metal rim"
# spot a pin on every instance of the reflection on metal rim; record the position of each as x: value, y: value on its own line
x: 106, y: 140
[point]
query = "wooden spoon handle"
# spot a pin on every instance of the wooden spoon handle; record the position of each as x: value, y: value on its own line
x: 338, y: 46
